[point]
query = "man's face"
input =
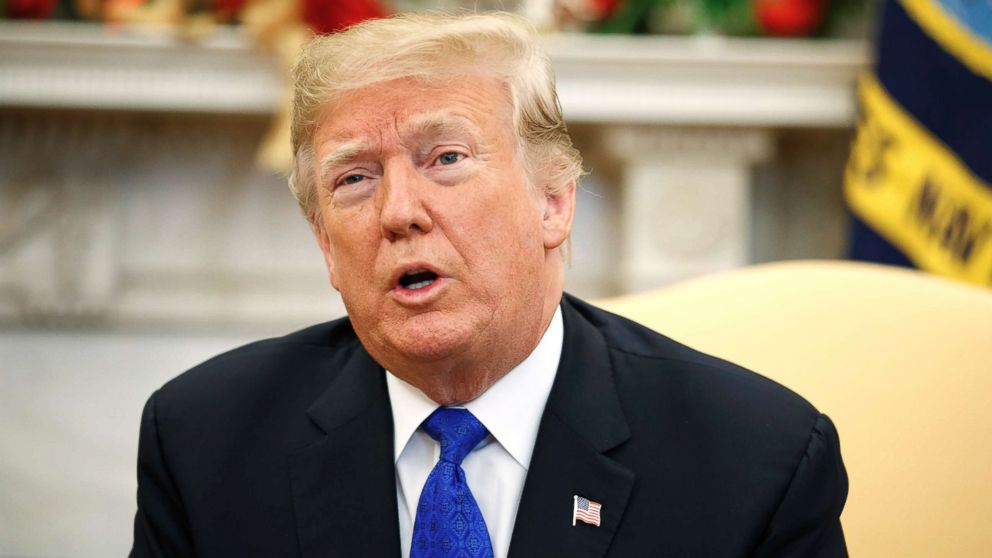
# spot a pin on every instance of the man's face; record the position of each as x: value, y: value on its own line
x: 440, y: 247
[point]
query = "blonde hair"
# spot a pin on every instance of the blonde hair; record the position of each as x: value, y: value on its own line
x: 434, y: 46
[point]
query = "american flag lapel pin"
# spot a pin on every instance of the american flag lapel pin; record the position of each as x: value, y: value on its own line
x: 585, y: 510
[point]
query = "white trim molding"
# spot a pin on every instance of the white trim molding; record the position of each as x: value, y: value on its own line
x: 703, y: 80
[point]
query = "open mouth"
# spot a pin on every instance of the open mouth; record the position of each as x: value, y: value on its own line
x: 417, y: 279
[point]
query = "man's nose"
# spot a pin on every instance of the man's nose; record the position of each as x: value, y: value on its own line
x: 401, y: 205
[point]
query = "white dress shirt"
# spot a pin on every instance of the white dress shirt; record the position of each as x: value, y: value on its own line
x: 511, y: 410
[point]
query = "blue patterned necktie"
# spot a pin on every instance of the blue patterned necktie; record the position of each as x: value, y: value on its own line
x: 449, y: 523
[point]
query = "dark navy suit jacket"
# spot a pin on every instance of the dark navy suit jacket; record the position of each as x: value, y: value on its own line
x: 284, y: 448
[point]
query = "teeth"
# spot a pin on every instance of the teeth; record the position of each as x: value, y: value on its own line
x: 419, y: 284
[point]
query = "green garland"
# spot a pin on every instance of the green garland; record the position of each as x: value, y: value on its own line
x: 727, y: 17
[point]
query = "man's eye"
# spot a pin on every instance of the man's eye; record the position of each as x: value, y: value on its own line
x: 352, y: 179
x: 450, y: 158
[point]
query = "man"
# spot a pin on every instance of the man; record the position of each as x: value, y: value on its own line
x: 465, y: 407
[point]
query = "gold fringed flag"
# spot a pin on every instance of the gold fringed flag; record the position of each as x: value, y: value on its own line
x: 919, y: 179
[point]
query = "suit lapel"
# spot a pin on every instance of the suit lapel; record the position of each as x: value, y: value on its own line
x: 344, y: 484
x: 582, y: 420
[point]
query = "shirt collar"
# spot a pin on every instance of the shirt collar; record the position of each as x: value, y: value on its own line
x: 511, y: 409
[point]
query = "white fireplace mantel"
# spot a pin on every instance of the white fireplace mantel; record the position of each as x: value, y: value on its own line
x: 614, y: 79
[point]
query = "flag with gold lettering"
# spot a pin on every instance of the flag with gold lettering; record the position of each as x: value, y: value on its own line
x: 919, y: 179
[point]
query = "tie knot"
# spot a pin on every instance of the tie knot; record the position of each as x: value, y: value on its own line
x: 458, y: 431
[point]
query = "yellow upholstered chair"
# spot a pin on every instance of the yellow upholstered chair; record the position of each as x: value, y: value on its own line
x: 900, y: 360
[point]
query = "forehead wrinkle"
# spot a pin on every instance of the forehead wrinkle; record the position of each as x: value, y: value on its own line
x: 440, y: 123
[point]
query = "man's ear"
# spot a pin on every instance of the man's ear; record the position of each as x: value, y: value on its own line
x: 559, y: 211
x: 324, y: 242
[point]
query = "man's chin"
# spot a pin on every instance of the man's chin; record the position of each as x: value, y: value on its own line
x: 427, y: 347
x: 427, y: 339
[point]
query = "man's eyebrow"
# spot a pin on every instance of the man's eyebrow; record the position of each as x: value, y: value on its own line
x: 439, y: 123
x: 340, y: 154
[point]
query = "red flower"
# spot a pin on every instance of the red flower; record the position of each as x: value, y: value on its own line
x: 605, y: 8
x: 790, y: 18
x: 30, y: 9
x: 327, y: 16
x: 227, y: 8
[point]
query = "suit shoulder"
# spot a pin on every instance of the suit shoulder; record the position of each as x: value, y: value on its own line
x: 300, y: 358
x: 644, y: 356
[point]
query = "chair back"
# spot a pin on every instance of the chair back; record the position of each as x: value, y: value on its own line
x: 900, y: 360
